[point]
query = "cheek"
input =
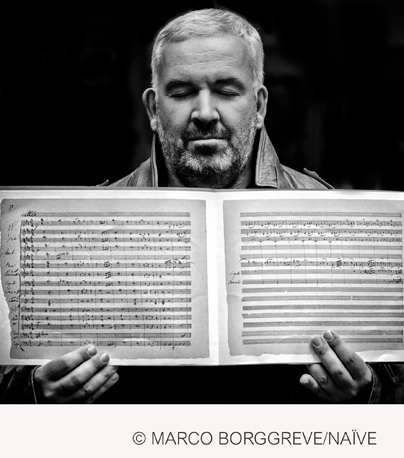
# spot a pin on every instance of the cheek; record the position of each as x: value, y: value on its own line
x: 238, y: 117
x: 174, y: 116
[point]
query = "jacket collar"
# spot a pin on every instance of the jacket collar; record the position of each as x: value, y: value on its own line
x: 268, y: 170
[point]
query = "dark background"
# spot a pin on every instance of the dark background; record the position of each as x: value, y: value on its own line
x: 72, y: 75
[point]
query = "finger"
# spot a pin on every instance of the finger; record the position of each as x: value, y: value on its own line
x: 310, y: 383
x: 352, y: 361
x: 333, y: 365
x: 324, y: 381
x: 57, y: 368
x: 82, y: 374
x: 88, y: 389
x: 103, y: 388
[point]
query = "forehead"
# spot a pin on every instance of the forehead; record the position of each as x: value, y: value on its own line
x: 206, y: 58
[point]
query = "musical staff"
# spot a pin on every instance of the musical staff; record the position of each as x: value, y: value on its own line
x: 107, y: 278
x: 305, y: 272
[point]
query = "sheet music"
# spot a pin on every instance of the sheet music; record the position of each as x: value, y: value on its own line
x: 118, y: 274
x: 297, y: 271
x: 200, y: 277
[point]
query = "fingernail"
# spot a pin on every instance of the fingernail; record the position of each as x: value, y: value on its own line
x: 114, y: 378
x: 91, y: 351
x: 316, y: 341
x: 104, y: 358
x: 328, y: 335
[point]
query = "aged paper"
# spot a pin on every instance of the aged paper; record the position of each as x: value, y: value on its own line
x: 296, y: 268
x: 128, y: 275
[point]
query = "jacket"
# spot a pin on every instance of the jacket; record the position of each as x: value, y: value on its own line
x: 269, y: 173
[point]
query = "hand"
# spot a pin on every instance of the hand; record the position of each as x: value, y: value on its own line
x: 80, y: 376
x: 341, y: 375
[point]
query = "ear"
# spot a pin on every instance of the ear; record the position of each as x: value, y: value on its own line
x: 149, y: 102
x: 262, y: 100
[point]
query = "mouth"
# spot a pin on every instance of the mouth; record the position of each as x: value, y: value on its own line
x: 212, y: 143
x: 196, y: 138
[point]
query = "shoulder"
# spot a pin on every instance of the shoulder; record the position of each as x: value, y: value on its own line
x: 306, y: 180
x: 138, y: 178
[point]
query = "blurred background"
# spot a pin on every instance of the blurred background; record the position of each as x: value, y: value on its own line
x: 72, y: 76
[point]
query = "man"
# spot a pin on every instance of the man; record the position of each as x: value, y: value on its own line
x: 207, y: 107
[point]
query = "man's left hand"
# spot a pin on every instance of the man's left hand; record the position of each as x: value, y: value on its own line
x: 342, y: 374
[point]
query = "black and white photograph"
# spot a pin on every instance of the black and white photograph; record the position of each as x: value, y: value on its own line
x: 201, y: 204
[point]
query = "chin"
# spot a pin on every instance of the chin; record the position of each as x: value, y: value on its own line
x: 208, y: 165
x: 208, y: 174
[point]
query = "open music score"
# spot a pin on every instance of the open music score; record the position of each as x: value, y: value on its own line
x: 202, y: 277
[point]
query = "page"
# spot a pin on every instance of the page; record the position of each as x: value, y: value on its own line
x: 128, y: 275
x: 299, y: 265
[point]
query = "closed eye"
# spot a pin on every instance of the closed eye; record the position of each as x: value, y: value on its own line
x: 227, y: 93
x: 229, y: 87
x: 179, y: 94
x: 178, y: 89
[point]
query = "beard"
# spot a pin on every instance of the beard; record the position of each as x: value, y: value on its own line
x: 207, y: 165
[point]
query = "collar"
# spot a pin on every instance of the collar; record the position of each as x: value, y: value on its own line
x: 268, y: 170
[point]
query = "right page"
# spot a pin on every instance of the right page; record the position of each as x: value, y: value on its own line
x: 301, y: 262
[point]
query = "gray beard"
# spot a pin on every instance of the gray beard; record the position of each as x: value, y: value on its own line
x: 208, y: 168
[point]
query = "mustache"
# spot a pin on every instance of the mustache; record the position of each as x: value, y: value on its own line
x: 202, y: 133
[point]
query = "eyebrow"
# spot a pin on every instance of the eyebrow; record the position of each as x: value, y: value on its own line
x: 179, y: 83
x: 230, y: 81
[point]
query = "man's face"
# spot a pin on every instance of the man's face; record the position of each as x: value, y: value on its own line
x: 206, y: 111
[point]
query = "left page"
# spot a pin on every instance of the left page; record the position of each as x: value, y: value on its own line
x: 127, y: 275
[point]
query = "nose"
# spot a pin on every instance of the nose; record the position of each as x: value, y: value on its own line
x: 205, y: 110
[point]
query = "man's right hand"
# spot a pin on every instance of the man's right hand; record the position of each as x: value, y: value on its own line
x: 80, y: 376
